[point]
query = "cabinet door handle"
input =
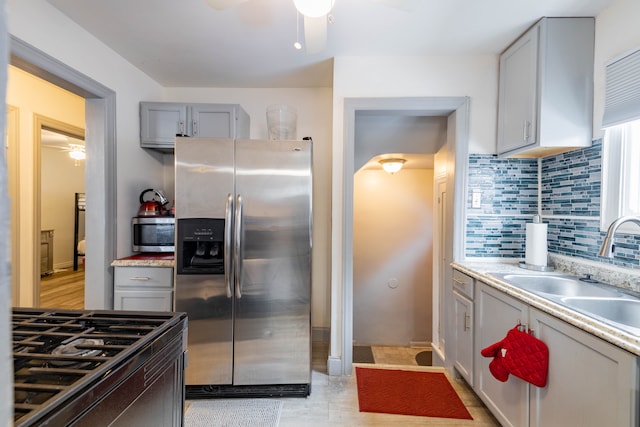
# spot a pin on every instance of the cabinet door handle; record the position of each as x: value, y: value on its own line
x: 526, y: 133
x: 181, y: 127
x: 140, y: 278
x: 194, y: 128
x: 459, y: 282
x: 466, y: 319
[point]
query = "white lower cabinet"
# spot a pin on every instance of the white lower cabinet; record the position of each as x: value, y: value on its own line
x: 143, y: 289
x: 463, y: 289
x: 496, y: 313
x: 590, y: 382
x: 463, y: 357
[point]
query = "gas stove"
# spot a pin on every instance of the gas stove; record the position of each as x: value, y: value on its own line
x: 73, y: 367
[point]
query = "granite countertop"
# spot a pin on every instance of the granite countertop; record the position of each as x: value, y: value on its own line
x: 146, y: 260
x: 611, y: 334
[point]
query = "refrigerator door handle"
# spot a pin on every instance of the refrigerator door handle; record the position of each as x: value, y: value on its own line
x: 228, y: 234
x: 236, y: 247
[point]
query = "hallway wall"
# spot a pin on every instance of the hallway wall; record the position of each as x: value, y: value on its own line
x: 392, y: 257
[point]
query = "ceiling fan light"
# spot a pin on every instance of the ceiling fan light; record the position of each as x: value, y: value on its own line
x: 77, y: 152
x: 314, y: 8
x: 392, y: 165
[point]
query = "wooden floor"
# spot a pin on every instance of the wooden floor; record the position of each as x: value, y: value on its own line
x: 63, y: 289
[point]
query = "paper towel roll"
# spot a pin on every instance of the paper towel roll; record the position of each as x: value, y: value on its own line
x: 536, y: 244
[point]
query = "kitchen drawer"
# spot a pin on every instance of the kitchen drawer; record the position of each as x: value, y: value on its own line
x: 157, y: 277
x: 463, y: 284
x: 143, y: 300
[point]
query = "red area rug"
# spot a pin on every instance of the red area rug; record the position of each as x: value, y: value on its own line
x: 427, y: 394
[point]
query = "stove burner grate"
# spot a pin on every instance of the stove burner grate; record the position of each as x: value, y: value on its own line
x: 58, y: 354
x: 78, y: 347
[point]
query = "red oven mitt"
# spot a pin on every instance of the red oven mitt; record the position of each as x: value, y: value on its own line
x: 526, y: 357
x: 496, y: 366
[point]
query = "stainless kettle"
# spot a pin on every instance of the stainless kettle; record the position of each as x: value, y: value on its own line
x: 153, y: 206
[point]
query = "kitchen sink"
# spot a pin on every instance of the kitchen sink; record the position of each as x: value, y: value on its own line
x: 623, y: 311
x: 560, y: 285
x: 603, y: 302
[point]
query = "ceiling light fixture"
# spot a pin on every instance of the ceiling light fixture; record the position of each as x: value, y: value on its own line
x: 314, y: 8
x: 77, y: 152
x: 392, y: 165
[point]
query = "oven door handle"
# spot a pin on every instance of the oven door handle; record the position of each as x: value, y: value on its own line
x: 237, y: 245
x: 228, y: 237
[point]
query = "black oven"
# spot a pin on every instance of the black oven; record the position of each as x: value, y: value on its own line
x: 153, y: 234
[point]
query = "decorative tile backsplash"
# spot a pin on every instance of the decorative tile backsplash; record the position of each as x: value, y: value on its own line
x: 508, y: 186
x: 495, y: 236
x: 570, y: 204
x: 509, y: 199
x: 571, y: 182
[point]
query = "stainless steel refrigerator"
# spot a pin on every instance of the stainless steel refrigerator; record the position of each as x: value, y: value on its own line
x: 243, y: 265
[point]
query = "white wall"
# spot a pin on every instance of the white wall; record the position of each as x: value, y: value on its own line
x: 617, y: 33
x: 392, y: 257
x: 314, y: 119
x: 473, y: 76
x: 383, y: 133
x: 38, y: 23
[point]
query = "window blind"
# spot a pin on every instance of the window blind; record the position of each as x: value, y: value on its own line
x: 622, y: 90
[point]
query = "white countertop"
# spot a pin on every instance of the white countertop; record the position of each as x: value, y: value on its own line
x: 480, y: 270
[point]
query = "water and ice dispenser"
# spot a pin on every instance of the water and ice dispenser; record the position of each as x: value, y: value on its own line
x: 202, y: 243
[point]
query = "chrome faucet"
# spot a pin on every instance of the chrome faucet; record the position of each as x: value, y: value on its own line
x: 607, y: 244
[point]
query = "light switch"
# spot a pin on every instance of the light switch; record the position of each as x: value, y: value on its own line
x: 476, y: 199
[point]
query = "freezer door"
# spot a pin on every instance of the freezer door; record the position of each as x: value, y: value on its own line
x: 272, y: 342
x: 204, y: 176
x: 204, y: 187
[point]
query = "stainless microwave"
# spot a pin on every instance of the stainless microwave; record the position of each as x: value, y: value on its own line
x: 153, y: 234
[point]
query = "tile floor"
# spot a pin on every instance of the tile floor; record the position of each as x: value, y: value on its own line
x: 387, y: 355
x: 334, y: 400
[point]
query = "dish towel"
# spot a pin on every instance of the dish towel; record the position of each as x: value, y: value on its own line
x: 520, y: 354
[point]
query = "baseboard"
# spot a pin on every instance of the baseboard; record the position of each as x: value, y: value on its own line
x: 437, y: 356
x: 334, y: 366
x: 63, y: 265
x: 420, y: 344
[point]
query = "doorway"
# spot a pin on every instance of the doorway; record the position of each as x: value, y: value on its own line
x: 393, y: 231
x: 100, y: 179
x: 451, y: 159
x: 62, y: 205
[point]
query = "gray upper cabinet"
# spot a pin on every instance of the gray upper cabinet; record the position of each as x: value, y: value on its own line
x: 545, y: 103
x: 161, y: 122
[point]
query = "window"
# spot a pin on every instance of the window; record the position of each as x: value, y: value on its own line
x: 621, y: 174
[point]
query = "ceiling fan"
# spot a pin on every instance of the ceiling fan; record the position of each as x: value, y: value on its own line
x: 58, y: 141
x: 316, y: 15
